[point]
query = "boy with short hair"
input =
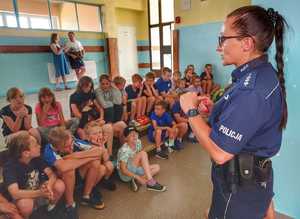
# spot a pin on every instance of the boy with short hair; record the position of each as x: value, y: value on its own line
x: 60, y: 154
x: 119, y: 83
x: 163, y: 126
x: 195, y: 86
x: 150, y: 92
x: 164, y: 85
x: 136, y: 102
x: 29, y: 181
x: 133, y: 163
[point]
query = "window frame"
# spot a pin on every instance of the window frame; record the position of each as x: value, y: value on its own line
x: 17, y: 14
x: 163, y: 49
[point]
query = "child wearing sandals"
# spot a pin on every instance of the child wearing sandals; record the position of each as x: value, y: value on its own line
x: 133, y: 163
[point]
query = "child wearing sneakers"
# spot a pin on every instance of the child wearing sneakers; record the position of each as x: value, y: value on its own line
x: 28, y: 179
x: 72, y: 166
x: 162, y: 127
x: 133, y: 163
x: 136, y: 103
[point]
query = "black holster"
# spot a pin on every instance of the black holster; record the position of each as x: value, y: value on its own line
x: 246, y: 169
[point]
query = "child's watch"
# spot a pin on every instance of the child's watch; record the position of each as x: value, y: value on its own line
x: 192, y: 113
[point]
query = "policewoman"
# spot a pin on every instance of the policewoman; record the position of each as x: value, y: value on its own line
x: 245, y: 125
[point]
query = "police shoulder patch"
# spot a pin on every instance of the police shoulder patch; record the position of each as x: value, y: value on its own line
x: 248, y: 81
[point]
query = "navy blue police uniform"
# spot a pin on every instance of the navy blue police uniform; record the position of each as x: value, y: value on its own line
x: 246, y: 120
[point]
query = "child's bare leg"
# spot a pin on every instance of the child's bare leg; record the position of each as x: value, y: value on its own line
x: 133, y: 110
x: 25, y: 207
x: 172, y: 133
x: 108, y: 130
x: 92, y: 172
x: 182, y: 129
x: 154, y: 169
x: 69, y: 180
x: 143, y: 106
x: 270, y: 212
x: 58, y: 190
x: 150, y: 104
x: 138, y: 107
x: 109, y: 168
x: 141, y: 160
x: 157, y: 138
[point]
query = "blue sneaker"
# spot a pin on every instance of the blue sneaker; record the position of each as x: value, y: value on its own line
x: 179, y: 144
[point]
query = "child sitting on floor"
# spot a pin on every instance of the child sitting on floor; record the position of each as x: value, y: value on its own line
x: 98, y: 138
x: 163, y: 127
x: 72, y: 166
x: 136, y: 103
x: 30, y: 182
x: 150, y: 92
x: 133, y: 163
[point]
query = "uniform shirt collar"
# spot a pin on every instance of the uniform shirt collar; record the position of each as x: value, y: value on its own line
x: 242, y: 70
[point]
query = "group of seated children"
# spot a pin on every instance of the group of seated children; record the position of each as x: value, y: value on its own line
x: 61, y: 157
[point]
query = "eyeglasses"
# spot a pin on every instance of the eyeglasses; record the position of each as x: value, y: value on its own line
x: 222, y: 39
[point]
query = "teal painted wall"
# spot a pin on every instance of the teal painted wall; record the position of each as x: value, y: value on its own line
x: 29, y: 70
x: 198, y: 45
x: 143, y: 56
x: 286, y: 166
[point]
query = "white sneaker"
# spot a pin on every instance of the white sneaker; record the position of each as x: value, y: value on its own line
x: 191, y: 135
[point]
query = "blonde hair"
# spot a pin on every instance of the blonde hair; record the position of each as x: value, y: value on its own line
x: 18, y: 144
x: 88, y: 129
x: 58, y: 136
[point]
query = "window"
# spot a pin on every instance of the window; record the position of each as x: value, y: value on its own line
x: 1, y: 21
x: 34, y: 14
x: 7, y: 12
x: 66, y: 14
x: 51, y: 14
x: 161, y: 24
x: 89, y: 18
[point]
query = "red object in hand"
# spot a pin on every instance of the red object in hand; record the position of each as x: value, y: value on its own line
x: 203, y: 106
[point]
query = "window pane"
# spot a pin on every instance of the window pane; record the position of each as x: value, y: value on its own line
x: 64, y: 14
x: 24, y: 22
x: 167, y: 10
x: 1, y: 21
x: 155, y: 48
x: 7, y: 13
x: 168, y: 60
x: 36, y: 11
x: 11, y: 20
x: 154, y: 16
x: 40, y: 23
x: 166, y: 35
x: 89, y: 18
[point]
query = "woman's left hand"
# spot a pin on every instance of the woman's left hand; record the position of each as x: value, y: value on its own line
x: 189, y: 101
